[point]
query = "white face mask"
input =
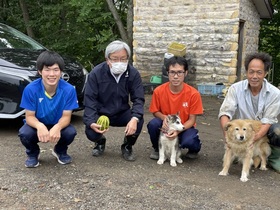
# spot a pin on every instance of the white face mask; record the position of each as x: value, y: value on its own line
x: 118, y: 67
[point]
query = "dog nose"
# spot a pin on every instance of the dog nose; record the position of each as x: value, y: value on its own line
x: 241, y: 137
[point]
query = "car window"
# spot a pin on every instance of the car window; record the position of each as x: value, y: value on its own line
x: 13, y: 39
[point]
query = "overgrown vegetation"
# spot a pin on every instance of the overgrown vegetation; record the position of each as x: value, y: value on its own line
x: 83, y: 28
x: 79, y: 28
x: 270, y: 40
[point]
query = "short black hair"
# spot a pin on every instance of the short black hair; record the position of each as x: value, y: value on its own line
x: 49, y: 58
x: 264, y: 57
x: 177, y: 60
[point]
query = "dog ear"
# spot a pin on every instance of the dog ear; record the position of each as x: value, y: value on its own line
x: 168, y: 117
x: 227, y: 126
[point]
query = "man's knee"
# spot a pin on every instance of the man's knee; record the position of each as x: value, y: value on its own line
x: 27, y: 133
x: 92, y: 135
x: 70, y: 132
x: 190, y: 139
x: 191, y: 144
x: 274, y: 134
x: 154, y: 124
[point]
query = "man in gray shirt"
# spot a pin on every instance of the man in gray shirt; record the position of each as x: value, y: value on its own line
x: 254, y: 98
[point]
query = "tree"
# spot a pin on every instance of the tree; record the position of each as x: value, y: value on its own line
x: 83, y: 28
x: 118, y: 20
x: 270, y: 40
x: 79, y: 28
x: 124, y: 8
x: 26, y: 18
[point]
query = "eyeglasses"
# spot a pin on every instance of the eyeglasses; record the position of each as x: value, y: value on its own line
x: 178, y: 73
x: 115, y: 60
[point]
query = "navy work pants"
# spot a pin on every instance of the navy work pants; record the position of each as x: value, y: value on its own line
x: 119, y: 120
x: 28, y: 137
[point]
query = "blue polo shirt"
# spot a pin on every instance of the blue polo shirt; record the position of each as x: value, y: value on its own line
x: 48, y: 110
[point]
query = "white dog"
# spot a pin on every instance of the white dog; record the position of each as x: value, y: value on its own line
x: 169, y: 148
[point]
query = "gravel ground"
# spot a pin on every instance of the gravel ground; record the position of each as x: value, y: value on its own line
x: 109, y: 182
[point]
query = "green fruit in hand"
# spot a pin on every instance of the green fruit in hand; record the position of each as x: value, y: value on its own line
x: 104, y: 122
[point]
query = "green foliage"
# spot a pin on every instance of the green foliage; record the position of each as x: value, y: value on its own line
x: 83, y: 28
x: 78, y: 28
x: 270, y: 40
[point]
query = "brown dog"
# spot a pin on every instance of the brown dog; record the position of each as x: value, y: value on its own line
x: 239, y: 144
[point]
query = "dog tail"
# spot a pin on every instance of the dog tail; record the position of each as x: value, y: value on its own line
x: 257, y: 161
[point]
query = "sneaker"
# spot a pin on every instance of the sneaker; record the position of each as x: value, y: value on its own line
x: 154, y: 155
x: 127, y: 153
x: 192, y: 155
x: 62, y: 158
x: 32, y: 162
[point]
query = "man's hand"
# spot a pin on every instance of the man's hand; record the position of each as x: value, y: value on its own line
x: 96, y: 128
x: 255, y: 139
x: 164, y: 123
x: 55, y: 134
x: 131, y: 127
x: 171, y: 135
x: 43, y: 133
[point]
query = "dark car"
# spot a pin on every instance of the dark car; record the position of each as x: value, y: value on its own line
x: 18, y: 55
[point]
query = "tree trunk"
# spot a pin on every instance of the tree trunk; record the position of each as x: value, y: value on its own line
x: 130, y: 23
x: 26, y: 19
x: 119, y: 23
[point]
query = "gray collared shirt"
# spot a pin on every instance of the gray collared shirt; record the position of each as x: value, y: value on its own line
x: 238, y: 103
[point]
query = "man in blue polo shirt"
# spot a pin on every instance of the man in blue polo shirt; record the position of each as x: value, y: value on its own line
x: 48, y: 103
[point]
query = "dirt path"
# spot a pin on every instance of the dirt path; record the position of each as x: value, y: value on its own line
x: 109, y: 182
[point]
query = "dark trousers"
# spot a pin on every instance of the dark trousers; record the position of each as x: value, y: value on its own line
x: 28, y: 137
x: 187, y: 139
x: 273, y: 134
x: 119, y: 120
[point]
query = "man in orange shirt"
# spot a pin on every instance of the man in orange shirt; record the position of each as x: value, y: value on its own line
x: 173, y: 97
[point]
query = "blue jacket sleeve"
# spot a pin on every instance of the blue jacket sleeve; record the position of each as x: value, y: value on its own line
x: 90, y: 102
x: 137, y: 95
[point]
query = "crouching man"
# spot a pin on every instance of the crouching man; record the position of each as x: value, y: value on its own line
x: 48, y: 103
x: 255, y: 98
x: 114, y: 89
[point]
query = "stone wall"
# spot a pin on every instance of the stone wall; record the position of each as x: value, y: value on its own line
x: 208, y: 28
x: 252, y: 28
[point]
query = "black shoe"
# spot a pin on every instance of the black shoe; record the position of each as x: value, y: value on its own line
x: 99, y: 147
x: 98, y: 150
x: 155, y: 154
x: 192, y: 155
x: 127, y: 153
